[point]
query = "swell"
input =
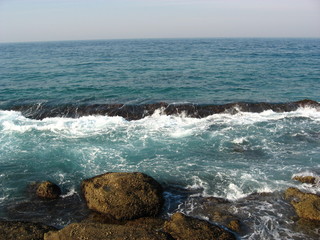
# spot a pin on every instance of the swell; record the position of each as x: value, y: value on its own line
x: 136, y: 112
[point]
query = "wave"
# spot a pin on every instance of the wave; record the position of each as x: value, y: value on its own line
x: 136, y: 112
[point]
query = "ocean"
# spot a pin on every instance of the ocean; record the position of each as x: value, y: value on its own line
x: 75, y: 109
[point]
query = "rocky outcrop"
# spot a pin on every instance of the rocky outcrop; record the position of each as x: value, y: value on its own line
x: 305, y: 179
x: 23, y: 230
x: 217, y: 210
x: 151, y: 223
x: 308, y: 227
x: 306, y: 205
x: 48, y: 190
x: 123, y: 195
x: 181, y: 227
x: 94, y: 231
x: 134, y: 112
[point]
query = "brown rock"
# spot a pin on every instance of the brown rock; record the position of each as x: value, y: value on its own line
x: 181, y: 227
x: 218, y: 210
x: 234, y: 225
x: 94, y: 231
x: 123, y: 195
x: 152, y: 223
x: 23, y: 230
x: 305, y: 179
x: 224, y: 218
x: 307, y: 205
x: 48, y: 190
x: 309, y: 227
x: 95, y: 217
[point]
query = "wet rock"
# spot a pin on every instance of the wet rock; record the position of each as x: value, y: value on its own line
x: 23, y: 230
x: 181, y: 227
x: 215, y: 200
x: 138, y: 111
x: 218, y: 210
x: 308, y: 103
x: 226, y: 219
x: 48, y: 190
x: 306, y: 205
x: 234, y: 225
x: 123, y: 195
x: 54, y: 212
x: 309, y: 227
x: 93, y: 231
x: 305, y: 179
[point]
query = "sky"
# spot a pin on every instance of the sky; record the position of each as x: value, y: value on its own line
x: 54, y: 20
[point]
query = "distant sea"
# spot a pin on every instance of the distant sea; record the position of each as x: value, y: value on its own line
x: 231, y: 154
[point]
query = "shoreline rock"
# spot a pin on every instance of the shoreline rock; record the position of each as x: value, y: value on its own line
x: 93, y: 231
x: 138, y: 111
x: 217, y: 210
x: 48, y: 190
x: 130, y: 202
x: 182, y: 227
x: 306, y: 205
x: 123, y: 196
x: 305, y: 179
x: 179, y: 227
x: 16, y: 230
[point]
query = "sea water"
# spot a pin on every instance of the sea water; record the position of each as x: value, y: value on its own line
x: 231, y: 155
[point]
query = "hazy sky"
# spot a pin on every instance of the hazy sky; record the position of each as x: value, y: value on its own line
x: 50, y: 20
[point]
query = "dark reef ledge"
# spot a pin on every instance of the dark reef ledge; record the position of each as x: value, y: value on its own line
x: 135, y: 112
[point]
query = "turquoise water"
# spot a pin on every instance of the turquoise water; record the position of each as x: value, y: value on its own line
x: 229, y: 155
x: 136, y: 71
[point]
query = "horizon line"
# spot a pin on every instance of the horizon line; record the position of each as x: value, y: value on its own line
x: 149, y: 38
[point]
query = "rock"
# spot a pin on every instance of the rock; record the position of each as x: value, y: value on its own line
x: 135, y: 112
x: 50, y: 212
x: 148, y: 223
x: 152, y: 223
x: 95, y: 217
x: 305, y: 179
x: 181, y: 227
x: 123, y: 195
x: 224, y: 218
x: 94, y: 231
x: 308, y: 103
x: 306, y: 205
x: 23, y: 230
x: 218, y: 210
x: 234, y: 225
x: 48, y: 190
x: 309, y: 227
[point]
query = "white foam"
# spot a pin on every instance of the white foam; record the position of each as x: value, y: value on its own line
x: 70, y: 193
x: 311, y: 188
x: 234, y: 192
x: 305, y: 174
x: 223, y: 129
x: 198, y: 185
x: 178, y: 126
x: 3, y: 198
x: 239, y: 140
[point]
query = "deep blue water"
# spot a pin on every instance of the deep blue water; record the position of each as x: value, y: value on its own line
x: 223, y: 155
x: 135, y: 71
